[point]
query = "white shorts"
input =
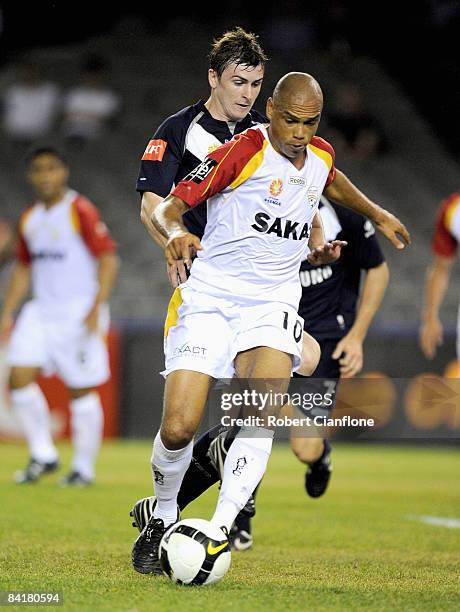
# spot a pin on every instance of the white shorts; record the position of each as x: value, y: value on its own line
x: 64, y: 347
x: 204, y: 333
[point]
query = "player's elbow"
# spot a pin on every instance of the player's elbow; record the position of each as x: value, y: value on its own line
x: 382, y: 273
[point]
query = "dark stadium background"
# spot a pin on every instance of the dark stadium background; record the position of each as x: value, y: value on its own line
x: 417, y: 40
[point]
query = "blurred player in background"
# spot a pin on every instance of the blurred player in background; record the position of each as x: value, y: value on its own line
x: 67, y: 256
x: 444, y: 247
x: 6, y: 242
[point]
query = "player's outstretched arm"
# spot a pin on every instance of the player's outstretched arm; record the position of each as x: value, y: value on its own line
x: 149, y: 202
x: 177, y: 272
x: 327, y: 253
x: 349, y: 349
x: 343, y: 191
x: 167, y: 219
x: 108, y: 265
x: 317, y: 233
x: 16, y: 291
x: 321, y: 251
x: 437, y: 282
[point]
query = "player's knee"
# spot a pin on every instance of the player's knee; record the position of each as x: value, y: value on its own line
x: 311, y: 354
x: 176, y: 435
x: 307, y: 450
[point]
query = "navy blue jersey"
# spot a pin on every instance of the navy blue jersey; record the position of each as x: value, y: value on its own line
x: 330, y: 293
x: 181, y: 143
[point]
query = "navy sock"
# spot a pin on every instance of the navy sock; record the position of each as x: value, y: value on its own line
x: 201, y: 474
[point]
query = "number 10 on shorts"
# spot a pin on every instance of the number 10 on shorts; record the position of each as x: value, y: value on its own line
x: 297, y: 329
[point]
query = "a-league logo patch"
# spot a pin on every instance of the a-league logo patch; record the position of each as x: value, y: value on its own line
x: 312, y: 195
x: 155, y: 150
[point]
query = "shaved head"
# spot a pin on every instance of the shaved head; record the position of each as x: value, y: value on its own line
x: 294, y: 111
x: 298, y: 88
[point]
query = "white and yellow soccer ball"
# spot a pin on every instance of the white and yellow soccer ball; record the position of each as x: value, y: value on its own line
x: 194, y: 551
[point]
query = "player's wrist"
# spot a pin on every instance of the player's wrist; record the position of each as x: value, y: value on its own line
x: 430, y: 318
x: 357, y: 334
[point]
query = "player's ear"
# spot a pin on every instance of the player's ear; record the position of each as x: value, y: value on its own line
x: 212, y: 78
x: 269, y: 108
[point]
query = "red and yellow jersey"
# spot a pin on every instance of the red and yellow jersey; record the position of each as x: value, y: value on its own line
x: 260, y: 209
x: 447, y: 229
x: 62, y: 244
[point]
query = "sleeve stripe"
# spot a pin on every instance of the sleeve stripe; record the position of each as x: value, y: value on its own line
x: 74, y: 218
x: 324, y: 155
x: 450, y: 214
x: 250, y: 168
x: 218, y: 166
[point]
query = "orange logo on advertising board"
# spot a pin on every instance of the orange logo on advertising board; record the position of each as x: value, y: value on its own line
x: 276, y: 187
x: 155, y: 150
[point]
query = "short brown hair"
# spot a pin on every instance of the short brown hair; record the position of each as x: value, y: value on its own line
x: 236, y: 47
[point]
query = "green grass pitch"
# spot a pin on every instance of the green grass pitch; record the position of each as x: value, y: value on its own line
x: 353, y: 549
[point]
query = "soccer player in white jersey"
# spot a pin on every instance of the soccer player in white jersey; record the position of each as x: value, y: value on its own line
x: 445, y: 241
x: 237, y: 313
x: 67, y: 256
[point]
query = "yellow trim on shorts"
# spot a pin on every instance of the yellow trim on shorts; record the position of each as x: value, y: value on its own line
x: 250, y: 168
x: 324, y: 155
x: 172, y: 314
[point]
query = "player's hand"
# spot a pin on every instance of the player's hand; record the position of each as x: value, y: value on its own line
x: 91, y: 321
x: 326, y: 253
x: 349, y: 352
x: 431, y: 336
x: 6, y: 325
x: 390, y: 226
x: 182, y: 246
x: 178, y: 273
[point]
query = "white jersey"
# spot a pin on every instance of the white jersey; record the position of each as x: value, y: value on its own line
x: 260, y: 210
x: 61, y: 244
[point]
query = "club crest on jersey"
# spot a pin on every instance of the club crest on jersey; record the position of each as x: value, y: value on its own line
x: 276, y: 187
x: 312, y: 195
x: 202, y: 171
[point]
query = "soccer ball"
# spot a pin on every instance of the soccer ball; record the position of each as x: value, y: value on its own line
x: 194, y: 551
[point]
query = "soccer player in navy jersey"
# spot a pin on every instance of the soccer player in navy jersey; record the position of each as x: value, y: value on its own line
x: 235, y: 74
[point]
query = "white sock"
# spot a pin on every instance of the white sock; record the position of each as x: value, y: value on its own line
x: 244, y: 467
x: 87, y: 421
x: 168, y: 470
x: 31, y: 409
